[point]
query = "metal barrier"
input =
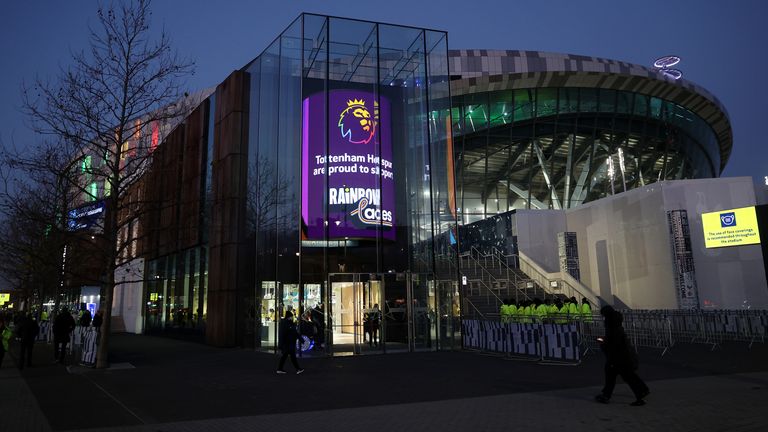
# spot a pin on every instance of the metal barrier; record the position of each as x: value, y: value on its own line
x: 546, y: 343
x: 663, y: 329
x: 565, y: 340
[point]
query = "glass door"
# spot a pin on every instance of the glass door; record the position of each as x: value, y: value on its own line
x: 448, y: 316
x: 355, y: 315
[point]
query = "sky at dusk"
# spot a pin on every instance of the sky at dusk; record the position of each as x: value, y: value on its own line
x: 723, y: 44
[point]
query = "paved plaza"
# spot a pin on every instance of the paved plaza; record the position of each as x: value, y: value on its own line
x: 159, y: 384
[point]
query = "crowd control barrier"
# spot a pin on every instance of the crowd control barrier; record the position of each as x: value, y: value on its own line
x: 663, y: 329
x: 547, y: 343
x: 565, y: 340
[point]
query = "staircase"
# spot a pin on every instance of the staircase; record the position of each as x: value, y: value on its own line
x: 491, y: 278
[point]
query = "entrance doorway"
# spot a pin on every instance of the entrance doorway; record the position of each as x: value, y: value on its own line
x: 364, y: 313
x: 355, y: 310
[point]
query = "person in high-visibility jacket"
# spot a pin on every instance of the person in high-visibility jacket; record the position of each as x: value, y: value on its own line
x: 562, y: 312
x: 503, y: 312
x: 573, y: 309
x: 552, y: 309
x: 541, y: 310
x: 521, y: 311
x: 506, y: 311
x: 512, y: 310
x: 5, y: 337
x: 586, y: 310
x: 528, y: 312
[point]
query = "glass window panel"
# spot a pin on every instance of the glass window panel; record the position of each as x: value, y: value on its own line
x: 588, y: 100
x: 523, y: 104
x: 655, y: 107
x: 607, y: 100
x: 641, y: 105
x: 623, y: 102
x: 568, y: 100
x: 546, y: 102
x: 501, y: 108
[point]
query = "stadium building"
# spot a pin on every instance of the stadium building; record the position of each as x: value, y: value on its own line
x: 356, y: 166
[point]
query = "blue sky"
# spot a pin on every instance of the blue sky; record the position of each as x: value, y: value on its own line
x: 722, y: 43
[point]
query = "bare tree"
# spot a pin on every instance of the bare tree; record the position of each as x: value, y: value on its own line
x: 106, y: 112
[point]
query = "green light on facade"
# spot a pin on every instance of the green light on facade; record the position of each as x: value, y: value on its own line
x: 93, y: 191
x: 86, y: 165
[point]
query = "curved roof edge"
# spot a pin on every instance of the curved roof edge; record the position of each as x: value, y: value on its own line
x: 491, y: 70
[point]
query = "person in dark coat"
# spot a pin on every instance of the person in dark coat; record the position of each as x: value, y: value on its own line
x: 85, y: 318
x: 98, y: 319
x: 620, y: 359
x: 28, y: 330
x: 62, y: 327
x: 318, y: 317
x: 287, y: 336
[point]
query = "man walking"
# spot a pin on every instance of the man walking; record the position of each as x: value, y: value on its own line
x: 620, y: 359
x: 62, y: 327
x: 28, y: 331
x: 287, y: 336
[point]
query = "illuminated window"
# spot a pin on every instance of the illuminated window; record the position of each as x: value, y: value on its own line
x: 155, y: 135
x: 85, y: 167
x: 124, y: 150
x: 93, y: 191
x: 107, y: 188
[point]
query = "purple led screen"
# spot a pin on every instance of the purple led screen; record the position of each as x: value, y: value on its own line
x: 360, y: 191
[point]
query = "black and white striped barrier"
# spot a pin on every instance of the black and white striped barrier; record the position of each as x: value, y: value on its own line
x: 550, y: 343
x: 89, y: 346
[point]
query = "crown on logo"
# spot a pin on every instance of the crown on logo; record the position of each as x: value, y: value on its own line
x: 355, y: 102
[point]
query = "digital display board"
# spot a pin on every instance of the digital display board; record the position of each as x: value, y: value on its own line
x: 734, y: 227
x: 86, y: 216
x: 358, y: 187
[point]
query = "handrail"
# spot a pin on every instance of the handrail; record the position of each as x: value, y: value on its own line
x: 484, y: 269
x: 503, y: 263
x: 477, y: 310
x: 543, y: 278
x: 496, y: 255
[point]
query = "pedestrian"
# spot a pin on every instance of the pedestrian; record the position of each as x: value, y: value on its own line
x: 28, y: 330
x: 318, y: 317
x: 98, y: 319
x: 85, y: 318
x: 63, y: 325
x: 287, y: 336
x: 5, y: 338
x: 374, y: 319
x: 620, y: 359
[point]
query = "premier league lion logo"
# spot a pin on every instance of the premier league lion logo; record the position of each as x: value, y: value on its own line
x: 356, y: 123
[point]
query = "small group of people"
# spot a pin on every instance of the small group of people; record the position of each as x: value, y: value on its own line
x: 557, y: 311
x: 26, y: 330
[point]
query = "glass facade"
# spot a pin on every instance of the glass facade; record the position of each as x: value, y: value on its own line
x: 554, y: 148
x: 175, y: 233
x: 348, y: 122
x: 328, y: 176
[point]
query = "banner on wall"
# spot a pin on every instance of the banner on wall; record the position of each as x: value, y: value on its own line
x: 353, y: 175
x: 734, y: 227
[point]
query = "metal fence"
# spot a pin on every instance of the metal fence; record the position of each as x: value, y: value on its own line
x: 551, y: 339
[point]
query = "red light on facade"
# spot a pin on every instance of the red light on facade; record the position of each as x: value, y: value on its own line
x: 155, y: 136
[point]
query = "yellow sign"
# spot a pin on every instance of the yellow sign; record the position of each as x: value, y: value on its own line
x: 4, y: 297
x: 152, y: 296
x: 733, y: 227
